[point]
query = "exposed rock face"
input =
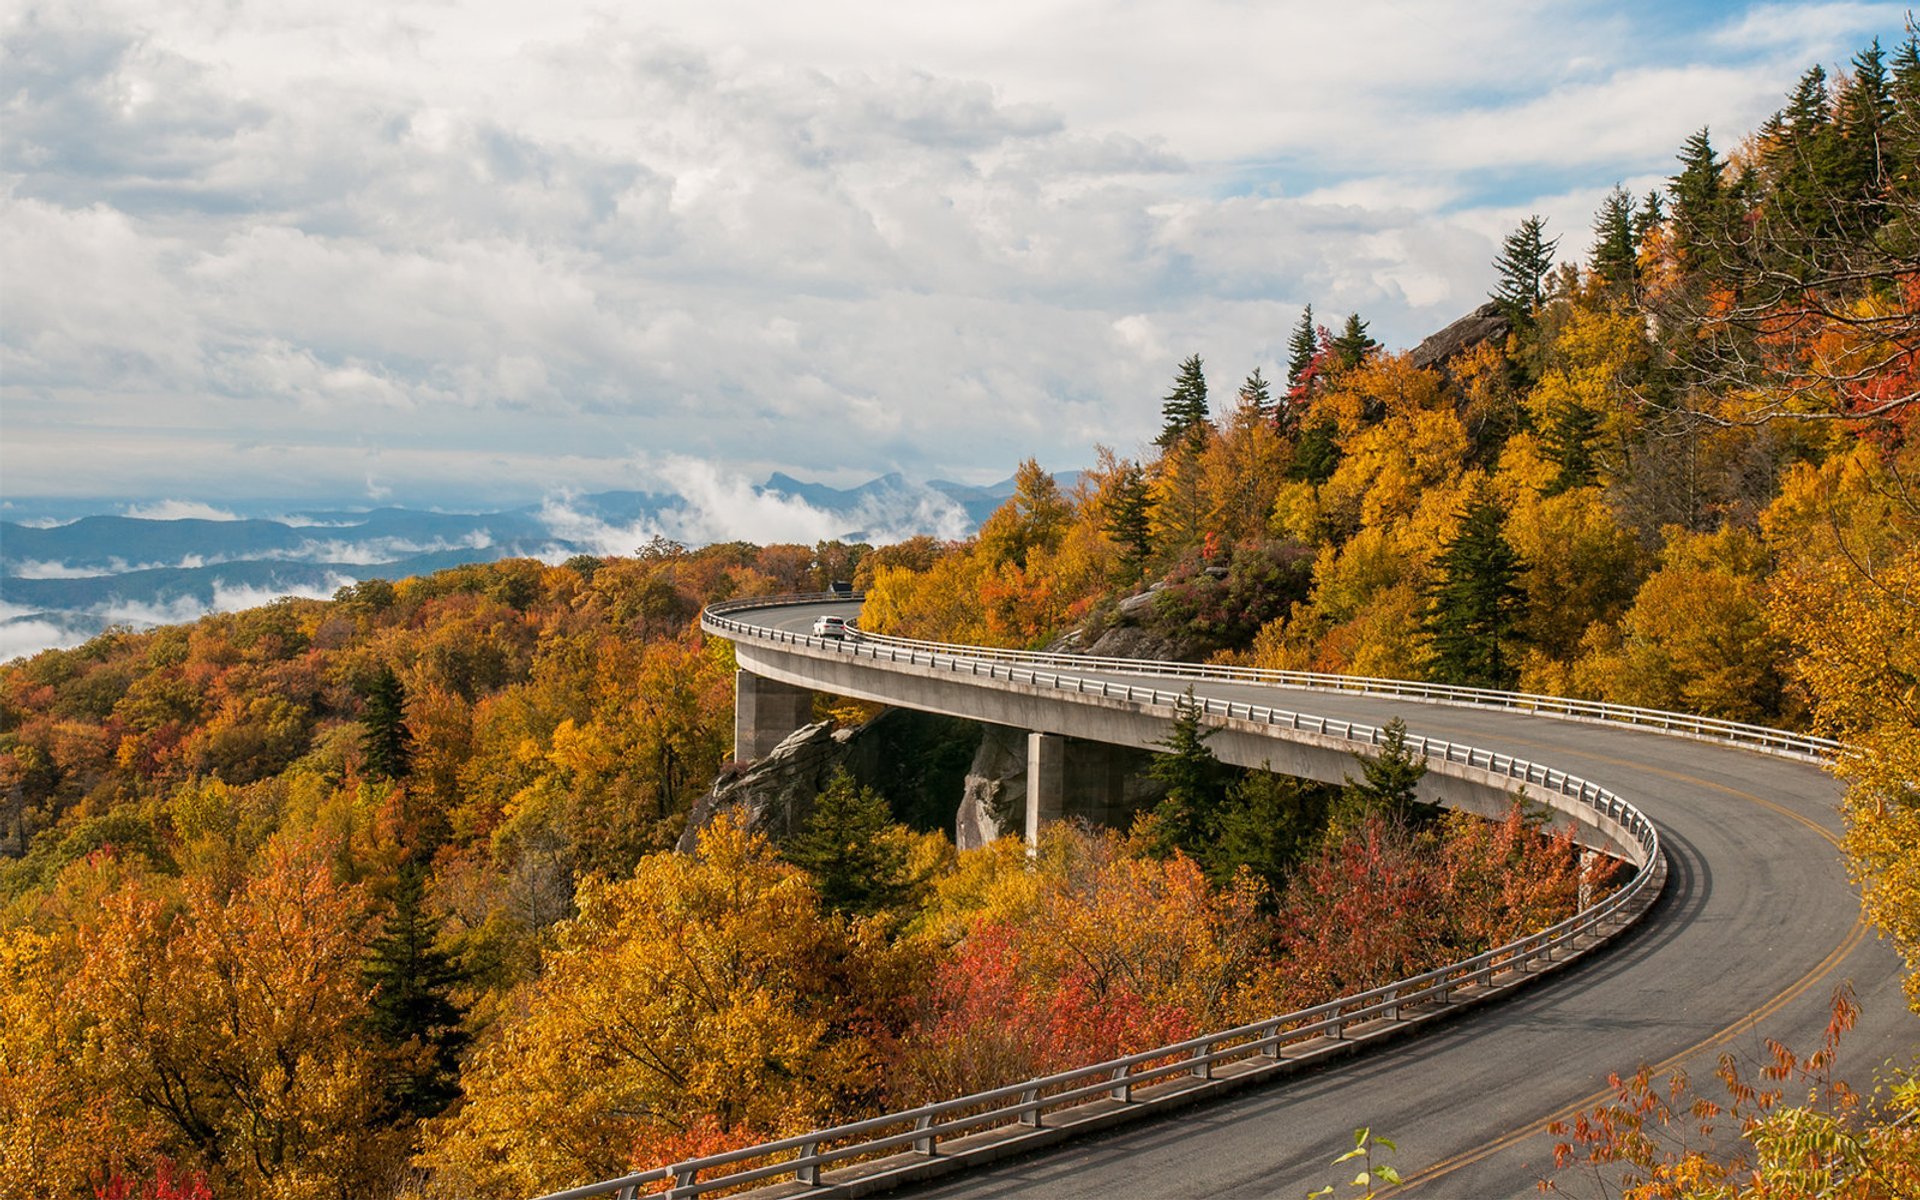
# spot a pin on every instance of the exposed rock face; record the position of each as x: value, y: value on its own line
x: 775, y: 794
x: 1484, y: 324
x: 918, y: 761
x: 993, y: 801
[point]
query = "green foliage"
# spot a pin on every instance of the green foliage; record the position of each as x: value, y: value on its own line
x: 848, y: 848
x: 410, y: 982
x: 1389, y: 782
x: 1615, y: 257
x: 1266, y: 824
x: 1475, y: 601
x: 1525, y: 260
x: 1352, y: 344
x: 1367, y: 1182
x: 1184, y: 412
x: 1184, y: 819
x: 1302, y: 345
x: 383, y: 719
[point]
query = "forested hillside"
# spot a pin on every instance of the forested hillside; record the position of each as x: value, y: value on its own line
x: 376, y: 896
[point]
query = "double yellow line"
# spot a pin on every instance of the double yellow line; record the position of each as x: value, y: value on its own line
x: 1773, y: 1005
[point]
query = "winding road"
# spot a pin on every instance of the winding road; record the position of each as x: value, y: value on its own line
x: 1757, y: 928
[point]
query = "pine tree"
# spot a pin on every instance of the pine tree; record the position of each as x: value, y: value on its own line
x: 1389, y: 782
x: 1194, y: 779
x: 1903, y: 126
x: 1698, y: 204
x: 1525, y: 259
x: 383, y: 720
x: 1130, y: 514
x: 1568, y: 441
x: 1184, y: 411
x: 1317, y: 453
x: 1863, y: 112
x: 1352, y: 345
x: 1615, y: 256
x: 845, y: 846
x: 1267, y: 823
x: 1474, y: 602
x: 1256, y: 396
x: 409, y: 1005
x: 1301, y: 349
x: 1650, y: 216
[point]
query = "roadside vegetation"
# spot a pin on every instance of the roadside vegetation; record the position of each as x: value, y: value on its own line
x: 377, y: 896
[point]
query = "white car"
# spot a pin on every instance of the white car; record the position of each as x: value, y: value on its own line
x: 833, y: 627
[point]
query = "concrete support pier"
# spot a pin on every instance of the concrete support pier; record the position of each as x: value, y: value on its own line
x: 1046, y: 782
x: 765, y: 711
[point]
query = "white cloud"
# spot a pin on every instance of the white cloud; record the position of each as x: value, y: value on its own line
x: 21, y: 638
x: 179, y: 510
x: 488, y: 250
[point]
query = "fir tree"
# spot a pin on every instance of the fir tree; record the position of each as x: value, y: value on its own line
x: 1301, y: 349
x: 1317, y: 453
x: 1130, y: 514
x: 1651, y: 214
x: 383, y: 721
x: 1257, y: 397
x: 845, y: 846
x: 1184, y: 411
x: 1698, y: 203
x: 1266, y: 823
x: 1526, y: 257
x: 1194, y: 779
x: 1352, y: 345
x: 1474, y: 601
x: 1389, y: 782
x: 1615, y: 256
x: 409, y: 982
x: 1568, y: 442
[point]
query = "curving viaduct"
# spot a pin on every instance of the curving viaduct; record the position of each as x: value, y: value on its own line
x: 1756, y: 928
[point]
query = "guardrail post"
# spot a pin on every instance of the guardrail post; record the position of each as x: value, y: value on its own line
x: 1030, y: 1107
x: 924, y: 1145
x: 804, y: 1171
x: 1122, y: 1084
x: 1204, y: 1068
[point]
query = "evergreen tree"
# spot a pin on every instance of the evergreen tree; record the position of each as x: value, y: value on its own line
x: 1352, y: 345
x: 1568, y: 441
x: 1130, y: 514
x: 1301, y: 349
x: 1650, y: 216
x: 1698, y: 203
x: 1615, y: 256
x: 1267, y: 823
x: 1863, y: 112
x: 1474, y: 602
x: 1525, y: 259
x: 1389, y: 782
x: 845, y: 845
x: 1194, y: 779
x: 1256, y: 396
x: 1317, y: 453
x: 1184, y: 411
x: 383, y: 721
x: 409, y: 1006
x: 1903, y: 126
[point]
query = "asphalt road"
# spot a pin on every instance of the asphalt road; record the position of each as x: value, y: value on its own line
x: 1759, y: 926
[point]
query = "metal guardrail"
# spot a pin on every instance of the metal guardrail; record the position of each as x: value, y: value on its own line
x: 1026, y: 1103
x: 1739, y: 733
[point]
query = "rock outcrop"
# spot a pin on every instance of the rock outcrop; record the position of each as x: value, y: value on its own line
x: 1484, y: 324
x: 993, y: 799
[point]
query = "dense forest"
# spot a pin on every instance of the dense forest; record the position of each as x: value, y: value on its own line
x: 349, y: 898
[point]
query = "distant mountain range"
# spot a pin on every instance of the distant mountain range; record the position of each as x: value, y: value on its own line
x: 61, y: 583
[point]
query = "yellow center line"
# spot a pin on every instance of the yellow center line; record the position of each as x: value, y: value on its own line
x: 1794, y: 990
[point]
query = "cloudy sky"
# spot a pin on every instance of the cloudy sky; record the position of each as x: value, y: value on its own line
x: 477, y: 252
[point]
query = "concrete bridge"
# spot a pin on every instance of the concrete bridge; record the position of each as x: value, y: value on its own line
x: 1754, y: 927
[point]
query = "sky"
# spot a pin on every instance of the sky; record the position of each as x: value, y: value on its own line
x: 481, y: 252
